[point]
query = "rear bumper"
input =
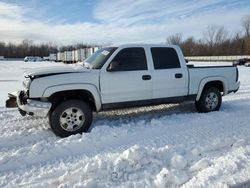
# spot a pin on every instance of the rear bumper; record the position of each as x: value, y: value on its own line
x: 236, y: 88
x: 28, y: 106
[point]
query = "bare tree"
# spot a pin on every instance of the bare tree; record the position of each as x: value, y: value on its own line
x: 27, y: 42
x: 188, y: 46
x: 221, y: 35
x: 175, y: 39
x: 245, y: 21
x: 209, y: 34
x: 215, y: 35
x: 2, y: 48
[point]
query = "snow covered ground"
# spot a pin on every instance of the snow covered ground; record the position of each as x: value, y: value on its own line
x: 161, y: 146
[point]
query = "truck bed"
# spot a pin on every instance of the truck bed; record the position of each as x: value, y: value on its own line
x: 229, y: 73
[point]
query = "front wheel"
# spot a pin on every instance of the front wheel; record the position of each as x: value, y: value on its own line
x: 210, y: 100
x: 70, y: 117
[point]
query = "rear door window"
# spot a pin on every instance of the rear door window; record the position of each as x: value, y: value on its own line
x: 165, y: 58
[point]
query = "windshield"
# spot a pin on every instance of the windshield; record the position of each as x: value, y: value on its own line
x: 97, y: 60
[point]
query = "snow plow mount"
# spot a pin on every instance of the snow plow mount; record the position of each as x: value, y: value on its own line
x: 11, y: 102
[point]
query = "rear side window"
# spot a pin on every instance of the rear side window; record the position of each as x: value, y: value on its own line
x: 165, y: 58
x: 130, y: 59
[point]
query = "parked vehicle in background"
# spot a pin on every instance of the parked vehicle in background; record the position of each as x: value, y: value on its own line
x: 46, y: 58
x: 241, y: 61
x: 52, y: 57
x: 247, y: 64
x: 1, y: 57
x: 32, y: 58
x: 119, y: 77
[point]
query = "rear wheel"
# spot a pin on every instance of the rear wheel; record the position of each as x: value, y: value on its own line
x: 210, y: 100
x: 70, y: 117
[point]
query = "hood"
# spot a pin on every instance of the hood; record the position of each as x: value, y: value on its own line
x: 49, y: 71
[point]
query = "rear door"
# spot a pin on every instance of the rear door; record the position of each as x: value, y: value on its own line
x: 127, y: 77
x: 169, y: 78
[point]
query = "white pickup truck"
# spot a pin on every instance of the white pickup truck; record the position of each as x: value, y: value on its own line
x: 118, y: 77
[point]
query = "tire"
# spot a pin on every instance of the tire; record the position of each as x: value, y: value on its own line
x: 210, y: 100
x: 70, y: 117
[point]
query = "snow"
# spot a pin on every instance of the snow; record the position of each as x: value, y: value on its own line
x: 12, y: 75
x: 200, y: 165
x: 178, y: 162
x: 160, y: 146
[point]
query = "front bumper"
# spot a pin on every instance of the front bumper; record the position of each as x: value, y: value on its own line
x: 28, y: 106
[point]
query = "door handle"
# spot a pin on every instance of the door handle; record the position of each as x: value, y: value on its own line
x: 146, y: 77
x: 178, y: 75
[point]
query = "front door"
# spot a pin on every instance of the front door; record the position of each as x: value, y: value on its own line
x: 126, y: 78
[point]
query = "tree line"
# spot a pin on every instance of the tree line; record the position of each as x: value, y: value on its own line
x: 28, y: 48
x: 216, y: 40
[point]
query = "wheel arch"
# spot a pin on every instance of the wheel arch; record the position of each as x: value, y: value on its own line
x: 218, y: 82
x: 85, y: 92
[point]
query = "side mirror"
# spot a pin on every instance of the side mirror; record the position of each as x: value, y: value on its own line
x: 114, y: 66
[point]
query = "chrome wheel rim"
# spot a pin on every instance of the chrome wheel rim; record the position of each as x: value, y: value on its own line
x: 211, y: 101
x: 72, y: 119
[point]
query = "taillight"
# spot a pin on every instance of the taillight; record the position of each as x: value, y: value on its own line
x: 237, y: 74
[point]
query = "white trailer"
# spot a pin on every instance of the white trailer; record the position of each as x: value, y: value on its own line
x: 95, y: 49
x: 60, y: 56
x: 68, y: 57
x: 81, y: 54
x: 75, y: 55
x: 52, y: 57
x: 1, y: 57
x: 88, y: 52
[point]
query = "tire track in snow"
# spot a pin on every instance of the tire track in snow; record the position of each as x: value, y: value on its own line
x: 24, y: 128
x: 18, y: 126
x: 15, y: 116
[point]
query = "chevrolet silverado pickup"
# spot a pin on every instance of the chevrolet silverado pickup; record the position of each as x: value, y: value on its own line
x: 120, y: 77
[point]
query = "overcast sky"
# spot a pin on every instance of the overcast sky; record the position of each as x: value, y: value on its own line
x: 115, y: 21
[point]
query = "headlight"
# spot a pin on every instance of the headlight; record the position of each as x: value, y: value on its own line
x: 26, y: 83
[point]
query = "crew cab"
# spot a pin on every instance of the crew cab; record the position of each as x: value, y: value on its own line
x: 119, y: 77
